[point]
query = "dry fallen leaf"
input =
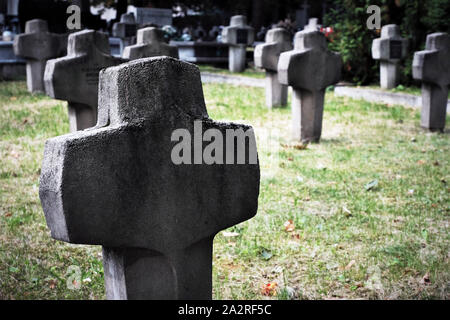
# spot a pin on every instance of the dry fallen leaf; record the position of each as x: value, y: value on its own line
x: 350, y: 264
x: 8, y: 214
x: 289, y: 226
x: 426, y: 279
x: 421, y: 162
x: 52, y: 284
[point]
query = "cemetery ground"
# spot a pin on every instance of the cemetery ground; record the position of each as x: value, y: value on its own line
x: 363, y: 214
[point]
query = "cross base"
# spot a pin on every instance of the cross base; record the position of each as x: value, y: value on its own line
x: 389, y: 74
x: 81, y: 116
x: 434, y: 107
x: 276, y: 93
x: 140, y: 274
x: 307, y: 114
x: 236, y: 58
x: 35, y: 75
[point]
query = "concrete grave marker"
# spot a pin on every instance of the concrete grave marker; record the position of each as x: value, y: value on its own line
x: 125, y: 30
x: 74, y: 78
x: 238, y: 35
x: 432, y: 67
x: 313, y: 25
x: 309, y: 69
x: 267, y: 55
x: 116, y: 185
x: 36, y: 46
x: 389, y: 49
x: 150, y: 43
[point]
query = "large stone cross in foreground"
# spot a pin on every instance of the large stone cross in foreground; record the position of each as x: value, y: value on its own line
x: 150, y: 43
x: 309, y: 69
x: 37, y: 45
x: 266, y: 56
x: 432, y: 66
x: 74, y: 78
x: 389, y: 49
x: 117, y: 186
x: 238, y: 35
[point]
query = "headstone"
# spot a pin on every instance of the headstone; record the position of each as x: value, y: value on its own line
x: 117, y: 185
x: 150, y: 43
x: 37, y: 45
x: 156, y: 16
x: 238, y: 35
x: 432, y: 67
x: 11, y: 66
x: 309, y: 69
x: 267, y: 54
x: 313, y: 25
x: 389, y: 49
x: 74, y: 78
x: 302, y: 14
x: 125, y: 30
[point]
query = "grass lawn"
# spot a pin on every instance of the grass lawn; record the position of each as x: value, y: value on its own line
x: 363, y: 214
x: 249, y: 72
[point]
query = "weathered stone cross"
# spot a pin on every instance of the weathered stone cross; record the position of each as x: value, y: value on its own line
x: 150, y: 43
x: 432, y: 66
x: 37, y: 45
x: 309, y: 69
x: 238, y: 35
x: 125, y: 30
x: 116, y: 185
x: 266, y: 56
x: 389, y: 49
x: 313, y: 25
x: 74, y: 78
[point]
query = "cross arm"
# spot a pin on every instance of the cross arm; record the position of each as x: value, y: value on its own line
x: 266, y: 55
x: 428, y: 66
x: 116, y: 186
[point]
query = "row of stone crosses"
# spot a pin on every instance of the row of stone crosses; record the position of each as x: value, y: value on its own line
x: 114, y: 184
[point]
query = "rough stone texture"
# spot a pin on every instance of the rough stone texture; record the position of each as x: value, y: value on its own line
x: 309, y: 69
x: 116, y: 186
x: 389, y: 49
x: 150, y: 43
x: 238, y: 35
x: 74, y: 78
x: 432, y: 67
x: 37, y: 45
x: 266, y: 56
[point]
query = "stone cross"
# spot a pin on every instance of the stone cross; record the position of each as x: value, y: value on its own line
x: 125, y: 30
x: 150, y: 43
x: 37, y: 45
x: 238, y: 35
x: 313, y: 25
x: 74, y: 78
x: 116, y: 185
x: 389, y: 49
x: 267, y: 55
x: 309, y: 69
x: 432, y: 67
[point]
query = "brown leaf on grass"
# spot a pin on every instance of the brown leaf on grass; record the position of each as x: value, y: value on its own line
x: 349, y: 265
x: 426, y: 279
x: 421, y: 162
x: 289, y: 226
x: 297, y: 146
x: 436, y: 163
x: 8, y: 214
x: 13, y: 98
x: 52, y: 284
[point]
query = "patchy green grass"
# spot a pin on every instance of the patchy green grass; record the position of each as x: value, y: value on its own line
x: 249, y: 72
x: 391, y: 241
